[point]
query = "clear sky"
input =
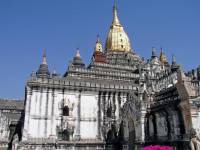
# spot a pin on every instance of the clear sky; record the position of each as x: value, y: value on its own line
x: 60, y: 26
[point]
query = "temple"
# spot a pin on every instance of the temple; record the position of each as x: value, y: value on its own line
x: 119, y: 101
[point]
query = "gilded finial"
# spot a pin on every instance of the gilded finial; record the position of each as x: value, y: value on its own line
x: 115, y: 4
x: 115, y: 15
x: 98, y: 47
x: 44, y: 58
x: 163, y: 58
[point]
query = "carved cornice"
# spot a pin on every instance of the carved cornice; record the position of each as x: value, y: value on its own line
x: 82, y: 84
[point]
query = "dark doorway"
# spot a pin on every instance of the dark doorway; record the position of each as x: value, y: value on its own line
x: 66, y: 111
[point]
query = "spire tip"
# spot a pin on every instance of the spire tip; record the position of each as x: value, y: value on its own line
x: 78, y: 53
x: 44, y: 59
x: 98, y: 38
x: 115, y: 4
x: 153, y: 52
x: 115, y: 16
x: 173, y: 58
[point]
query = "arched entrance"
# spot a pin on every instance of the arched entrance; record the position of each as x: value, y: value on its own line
x: 127, y: 131
x: 131, y: 123
x: 131, y: 132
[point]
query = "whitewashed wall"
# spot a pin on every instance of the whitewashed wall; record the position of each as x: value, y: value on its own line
x: 43, y: 113
x: 89, y: 108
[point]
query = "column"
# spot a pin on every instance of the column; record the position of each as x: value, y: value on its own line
x: 105, y: 106
x: 27, y: 112
x: 78, y: 136
x: 99, y: 115
x: 117, y: 106
x: 142, y: 126
x: 113, y: 106
x: 52, y: 113
x: 121, y: 96
x: 102, y: 108
x: 143, y: 114
x: 46, y: 113
x: 102, y: 115
x: 119, y: 102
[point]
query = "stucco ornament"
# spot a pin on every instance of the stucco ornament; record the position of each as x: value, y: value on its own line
x: 195, y: 141
x: 15, y: 142
x: 68, y: 103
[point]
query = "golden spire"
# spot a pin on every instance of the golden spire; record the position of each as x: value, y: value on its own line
x: 44, y: 58
x: 115, y: 15
x: 117, y: 39
x: 98, y: 46
x: 163, y: 58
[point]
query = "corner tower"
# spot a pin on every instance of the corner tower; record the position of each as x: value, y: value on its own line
x: 43, y: 71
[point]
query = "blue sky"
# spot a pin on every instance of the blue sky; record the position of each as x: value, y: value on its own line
x: 60, y: 26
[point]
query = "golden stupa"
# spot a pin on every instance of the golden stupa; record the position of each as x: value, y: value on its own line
x: 117, y: 39
x: 98, y: 47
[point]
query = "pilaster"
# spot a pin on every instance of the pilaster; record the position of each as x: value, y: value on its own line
x: 113, y: 106
x: 99, y: 115
x: 117, y: 106
x: 29, y: 93
x: 78, y: 135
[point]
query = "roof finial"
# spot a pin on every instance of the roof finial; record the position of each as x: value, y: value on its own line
x: 54, y: 70
x: 173, y: 59
x: 43, y: 70
x: 98, y: 46
x: 163, y: 58
x: 98, y: 38
x: 115, y: 16
x: 78, y: 53
x: 153, y: 52
x: 174, y: 65
x: 44, y: 58
x: 115, y: 4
